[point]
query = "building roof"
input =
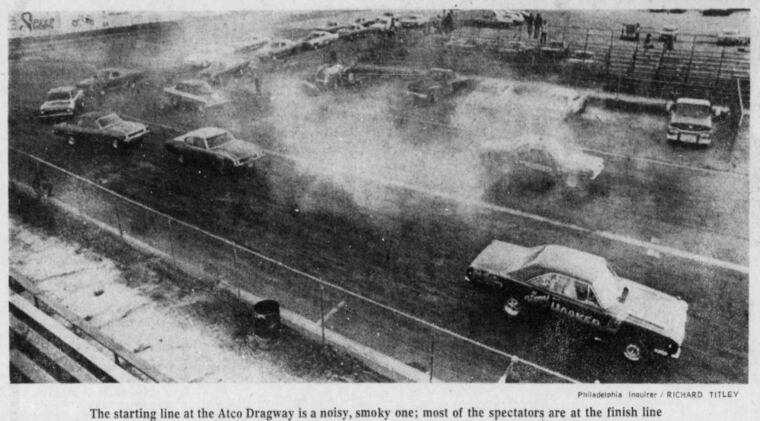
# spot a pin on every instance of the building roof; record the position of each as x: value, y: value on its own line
x: 693, y: 101
x: 62, y: 89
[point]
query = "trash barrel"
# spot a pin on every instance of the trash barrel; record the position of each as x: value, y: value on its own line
x: 266, y: 319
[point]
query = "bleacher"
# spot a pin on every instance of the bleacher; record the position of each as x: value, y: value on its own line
x: 48, y: 344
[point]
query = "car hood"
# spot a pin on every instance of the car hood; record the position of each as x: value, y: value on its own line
x: 126, y: 127
x: 577, y: 161
x: 56, y: 104
x: 84, y: 83
x: 655, y: 310
x: 694, y: 121
x: 240, y: 150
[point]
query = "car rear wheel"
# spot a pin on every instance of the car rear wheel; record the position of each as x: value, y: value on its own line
x: 115, y: 144
x: 181, y: 159
x: 512, y: 306
x: 633, y: 351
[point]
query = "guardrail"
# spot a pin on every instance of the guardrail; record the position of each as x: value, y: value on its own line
x: 121, y: 356
x: 440, y: 352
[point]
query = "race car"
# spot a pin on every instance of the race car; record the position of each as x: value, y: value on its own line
x: 542, y: 158
x: 319, y: 39
x: 638, y: 320
x: 103, y: 127
x: 110, y: 78
x: 437, y: 84
x: 215, y: 147
x: 194, y: 93
x: 62, y: 102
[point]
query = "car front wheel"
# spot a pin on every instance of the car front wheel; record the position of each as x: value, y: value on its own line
x: 633, y: 350
x: 71, y: 140
x: 512, y: 306
x: 115, y: 144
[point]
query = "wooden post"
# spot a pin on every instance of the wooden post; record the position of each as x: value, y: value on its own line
x: 432, y: 354
x: 691, y: 58
x: 720, y: 65
x: 322, y: 311
x: 609, y: 52
x: 118, y: 221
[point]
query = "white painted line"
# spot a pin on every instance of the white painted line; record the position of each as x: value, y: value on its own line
x: 666, y: 163
x: 332, y: 312
x: 527, y: 215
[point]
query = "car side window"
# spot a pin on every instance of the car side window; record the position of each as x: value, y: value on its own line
x: 543, y: 281
x: 114, y: 75
x: 196, y: 142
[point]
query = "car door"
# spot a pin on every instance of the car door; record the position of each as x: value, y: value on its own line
x: 194, y: 148
x: 576, y: 300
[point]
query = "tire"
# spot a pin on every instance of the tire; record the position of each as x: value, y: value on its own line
x: 71, y: 140
x: 633, y: 351
x: 115, y: 144
x: 512, y: 306
x: 181, y: 159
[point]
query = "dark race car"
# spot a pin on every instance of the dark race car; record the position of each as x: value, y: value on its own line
x: 103, y: 127
x: 214, y: 147
x: 638, y: 320
x: 110, y: 78
x: 438, y: 84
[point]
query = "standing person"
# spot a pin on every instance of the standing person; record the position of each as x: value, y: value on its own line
x: 529, y: 24
x: 543, y: 33
x: 537, y: 23
x: 647, y: 44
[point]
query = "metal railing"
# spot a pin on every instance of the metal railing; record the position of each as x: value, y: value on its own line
x: 435, y: 350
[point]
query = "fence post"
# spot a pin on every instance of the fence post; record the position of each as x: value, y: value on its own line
x: 585, y: 43
x: 691, y: 58
x: 609, y: 53
x: 322, y: 311
x: 432, y: 354
x: 118, y: 220
x: 720, y: 65
x: 171, y: 244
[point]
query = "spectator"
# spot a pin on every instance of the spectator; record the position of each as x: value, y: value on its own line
x: 537, y: 23
x: 648, y: 44
x: 543, y: 33
x: 42, y: 185
x: 529, y: 24
x: 638, y: 30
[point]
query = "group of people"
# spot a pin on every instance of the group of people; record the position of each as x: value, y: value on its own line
x: 536, y: 27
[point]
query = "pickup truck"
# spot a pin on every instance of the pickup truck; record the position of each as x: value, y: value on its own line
x: 637, y: 320
x: 691, y: 121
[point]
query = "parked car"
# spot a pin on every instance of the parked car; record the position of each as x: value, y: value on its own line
x: 630, y: 32
x: 437, y: 84
x: 331, y: 27
x: 691, y: 121
x: 278, y: 49
x: 668, y: 33
x: 330, y: 77
x: 412, y: 21
x: 110, y: 78
x: 249, y: 44
x: 578, y: 286
x: 214, y: 147
x: 731, y: 37
x: 486, y: 18
x: 103, y: 127
x: 319, y: 39
x: 62, y: 102
x: 203, y: 56
x: 543, y: 159
x: 352, y: 31
x: 194, y: 93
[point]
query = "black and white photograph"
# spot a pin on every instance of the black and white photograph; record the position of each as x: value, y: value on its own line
x: 453, y: 193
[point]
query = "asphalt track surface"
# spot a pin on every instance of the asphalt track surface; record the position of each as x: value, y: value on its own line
x: 413, y: 257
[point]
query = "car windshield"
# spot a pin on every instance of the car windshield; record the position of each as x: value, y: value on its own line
x: 607, y: 287
x: 692, y: 110
x: 195, y: 89
x: 108, y: 120
x: 218, y: 140
x: 58, y: 96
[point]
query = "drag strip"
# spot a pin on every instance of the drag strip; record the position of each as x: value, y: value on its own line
x: 646, y: 245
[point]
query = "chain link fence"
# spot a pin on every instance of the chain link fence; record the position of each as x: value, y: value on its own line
x: 435, y: 351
